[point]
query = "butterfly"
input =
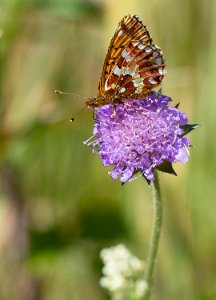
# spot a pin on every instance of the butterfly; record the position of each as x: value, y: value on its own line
x: 133, y: 65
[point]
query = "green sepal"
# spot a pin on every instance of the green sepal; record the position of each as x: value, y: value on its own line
x: 188, y: 128
x: 159, y: 93
x: 166, y: 167
x: 147, y: 180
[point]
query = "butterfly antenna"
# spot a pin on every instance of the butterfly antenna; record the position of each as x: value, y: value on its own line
x: 70, y: 93
x: 59, y: 92
x: 81, y: 110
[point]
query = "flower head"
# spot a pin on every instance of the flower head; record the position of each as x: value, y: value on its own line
x: 139, y: 136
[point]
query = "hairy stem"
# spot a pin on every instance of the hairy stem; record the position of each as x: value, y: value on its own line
x: 155, y: 235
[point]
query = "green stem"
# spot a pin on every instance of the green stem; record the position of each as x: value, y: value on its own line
x: 155, y: 235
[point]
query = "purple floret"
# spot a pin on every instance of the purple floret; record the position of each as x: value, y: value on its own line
x: 140, y: 137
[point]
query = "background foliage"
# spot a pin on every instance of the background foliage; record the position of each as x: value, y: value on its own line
x: 58, y: 206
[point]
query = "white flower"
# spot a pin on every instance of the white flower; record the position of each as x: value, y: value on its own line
x: 113, y: 283
x: 136, y: 264
x: 122, y: 273
x: 115, y: 253
x: 141, y: 286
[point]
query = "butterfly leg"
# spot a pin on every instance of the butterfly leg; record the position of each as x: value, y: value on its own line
x: 131, y: 106
x: 127, y: 104
x: 115, y: 112
x: 94, y: 117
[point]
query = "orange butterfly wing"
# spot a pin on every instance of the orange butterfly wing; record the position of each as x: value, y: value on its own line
x: 133, y: 65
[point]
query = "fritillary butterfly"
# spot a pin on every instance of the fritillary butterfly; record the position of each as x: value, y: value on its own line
x: 133, y: 66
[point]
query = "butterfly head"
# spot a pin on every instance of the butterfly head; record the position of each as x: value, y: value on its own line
x: 97, y: 102
x: 92, y: 102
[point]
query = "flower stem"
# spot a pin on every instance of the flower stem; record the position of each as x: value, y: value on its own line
x: 155, y: 235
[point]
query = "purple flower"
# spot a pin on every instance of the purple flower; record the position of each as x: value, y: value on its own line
x: 142, y: 136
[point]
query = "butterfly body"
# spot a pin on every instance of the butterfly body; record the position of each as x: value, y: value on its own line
x: 133, y: 66
x: 102, y: 100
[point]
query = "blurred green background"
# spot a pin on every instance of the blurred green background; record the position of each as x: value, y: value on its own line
x: 58, y: 205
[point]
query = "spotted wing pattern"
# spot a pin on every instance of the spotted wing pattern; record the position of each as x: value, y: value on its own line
x: 133, y: 66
